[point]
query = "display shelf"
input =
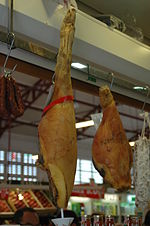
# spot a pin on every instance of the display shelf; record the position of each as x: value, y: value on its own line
x: 14, y: 202
x: 27, y: 186
x: 31, y: 200
x: 35, y: 199
x: 6, y: 215
x: 4, y: 207
x: 46, y: 203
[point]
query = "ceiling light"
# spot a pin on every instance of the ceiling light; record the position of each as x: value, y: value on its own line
x: 78, y: 65
x: 139, y: 88
x: 132, y: 143
x: 84, y: 124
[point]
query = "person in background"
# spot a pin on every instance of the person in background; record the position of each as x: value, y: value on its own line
x: 46, y: 220
x: 26, y: 216
x: 147, y: 219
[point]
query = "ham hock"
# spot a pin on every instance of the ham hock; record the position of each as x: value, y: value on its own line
x: 111, y: 152
x: 57, y: 132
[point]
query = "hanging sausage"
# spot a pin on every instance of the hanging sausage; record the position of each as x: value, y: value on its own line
x: 3, y: 97
x: 142, y: 167
x: 11, y: 102
x: 14, y: 99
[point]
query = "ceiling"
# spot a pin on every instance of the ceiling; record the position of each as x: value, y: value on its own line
x: 35, y: 91
x: 135, y: 14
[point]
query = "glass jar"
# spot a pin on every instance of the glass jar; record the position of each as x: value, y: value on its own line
x: 98, y: 220
x: 86, y: 220
x: 109, y: 221
x: 140, y: 220
x: 127, y: 221
x: 134, y: 221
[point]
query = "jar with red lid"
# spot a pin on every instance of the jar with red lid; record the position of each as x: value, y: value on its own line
x: 109, y: 221
x: 86, y: 220
x: 127, y: 221
x: 140, y: 220
x: 134, y: 221
x: 98, y: 220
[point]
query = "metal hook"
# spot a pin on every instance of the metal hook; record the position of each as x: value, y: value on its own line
x: 11, y: 37
x: 112, y: 80
x: 8, y: 54
x: 51, y: 90
x: 8, y: 73
x: 148, y: 88
x: 53, y: 79
x: 14, y: 68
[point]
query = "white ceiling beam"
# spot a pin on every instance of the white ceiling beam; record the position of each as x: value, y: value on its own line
x: 94, y: 43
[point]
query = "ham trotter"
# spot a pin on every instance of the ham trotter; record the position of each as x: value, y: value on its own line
x: 111, y: 152
x: 57, y: 132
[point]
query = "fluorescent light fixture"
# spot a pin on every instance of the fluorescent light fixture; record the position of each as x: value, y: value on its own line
x: 35, y: 157
x: 139, y: 88
x: 78, y: 65
x: 132, y: 143
x: 84, y: 124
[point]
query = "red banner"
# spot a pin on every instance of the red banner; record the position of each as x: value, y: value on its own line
x: 90, y: 193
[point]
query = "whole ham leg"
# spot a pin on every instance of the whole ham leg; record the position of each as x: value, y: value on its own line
x: 111, y: 152
x: 57, y: 132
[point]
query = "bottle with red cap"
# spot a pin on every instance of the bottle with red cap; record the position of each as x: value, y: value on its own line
x: 86, y: 220
x: 109, y: 221
x: 127, y: 221
x: 98, y: 220
x: 132, y: 221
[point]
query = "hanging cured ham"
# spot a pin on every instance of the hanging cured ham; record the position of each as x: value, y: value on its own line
x: 57, y: 132
x: 111, y: 152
